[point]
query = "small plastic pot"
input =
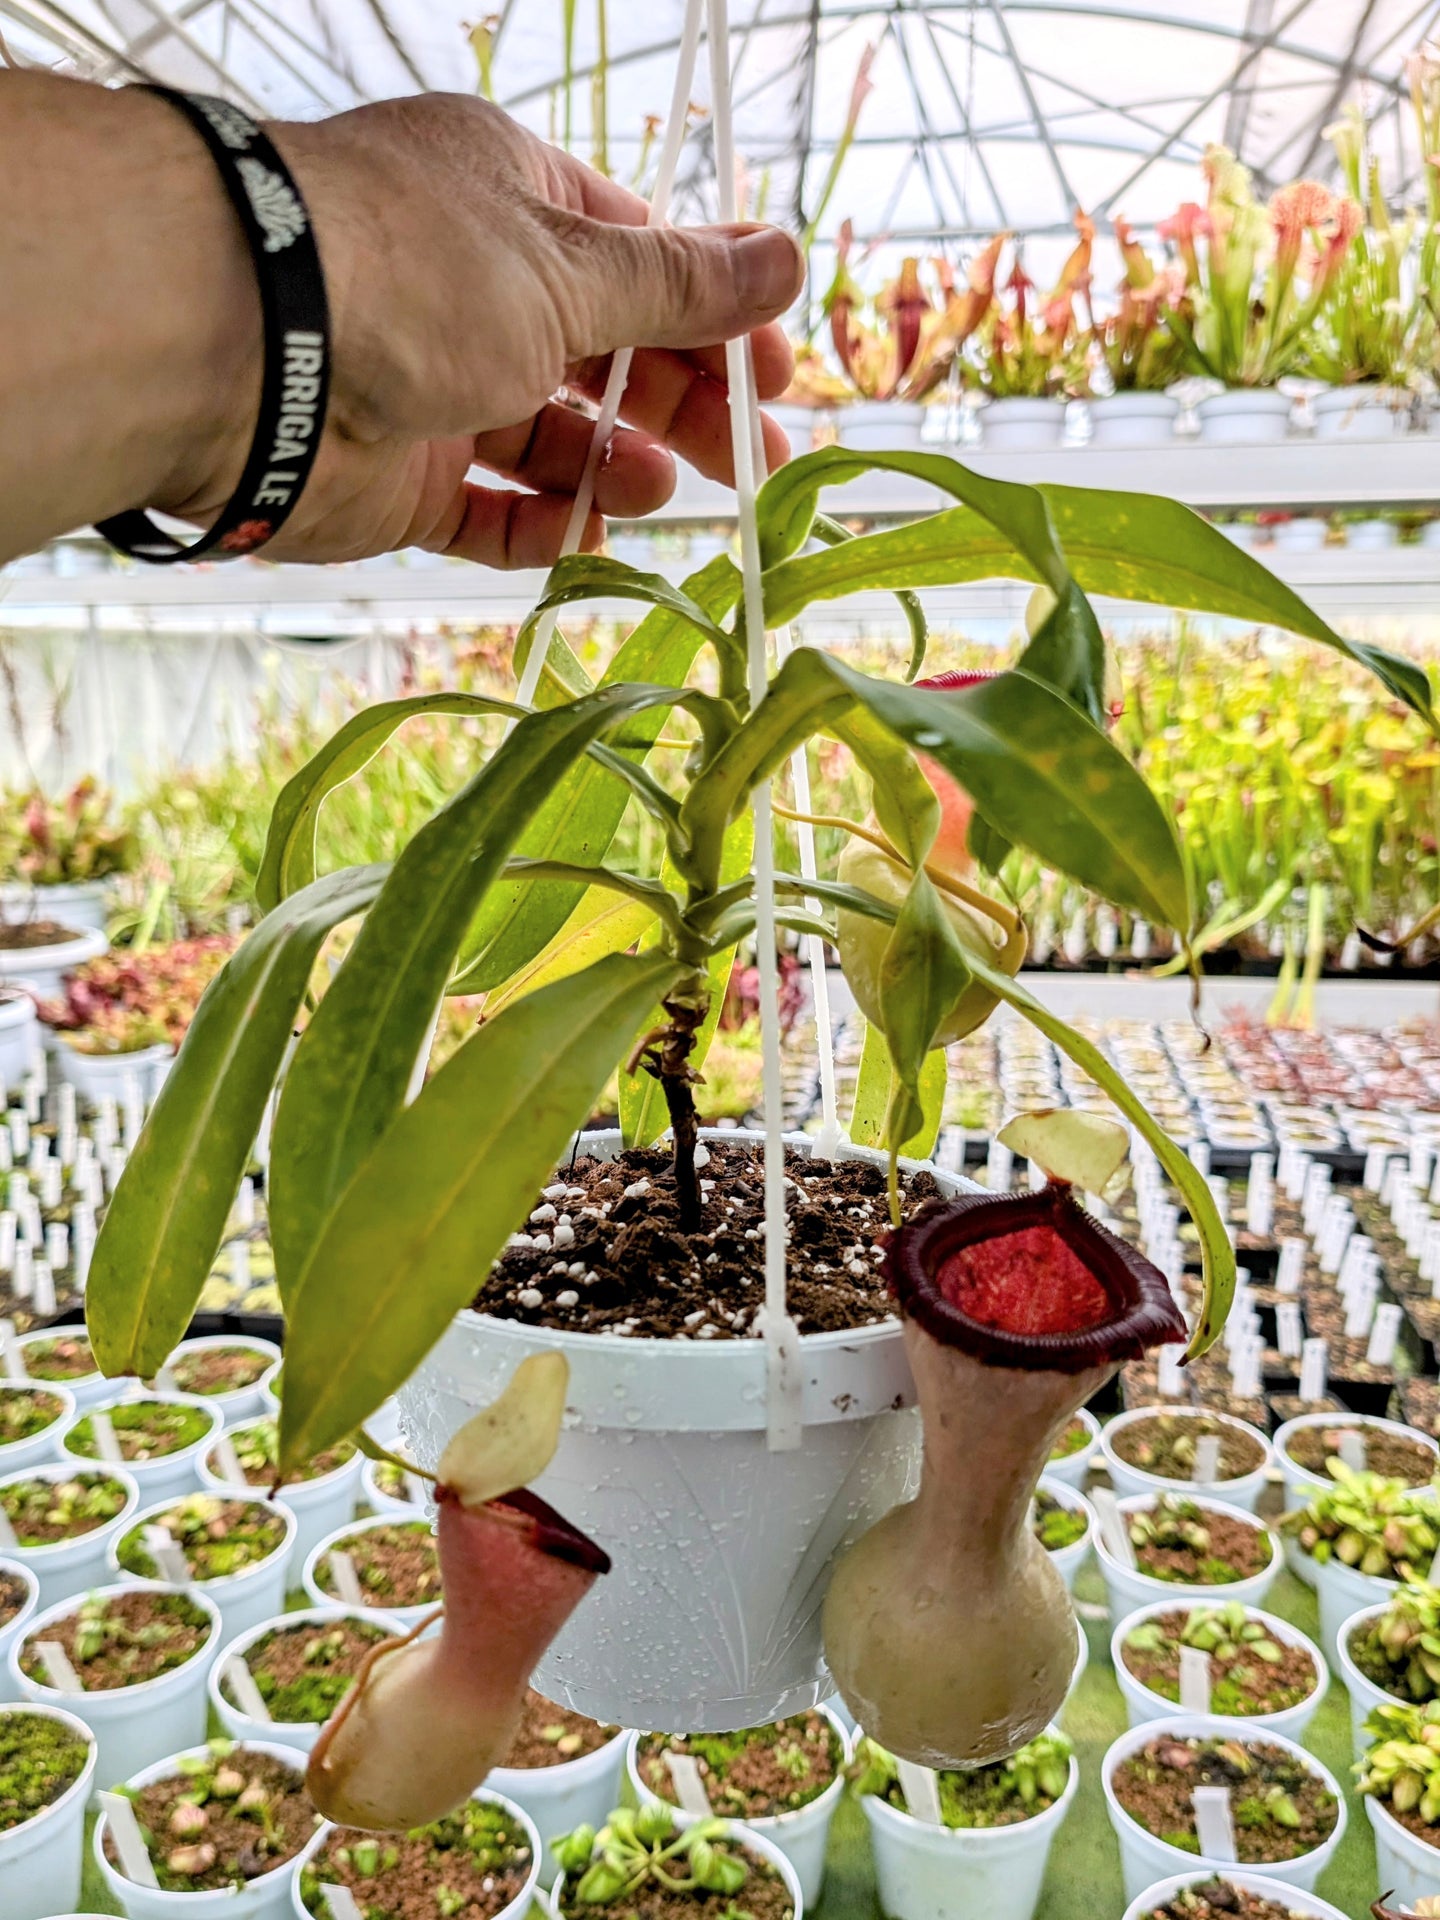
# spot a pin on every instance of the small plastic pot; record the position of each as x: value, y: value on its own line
x: 89, y: 1390
x: 1133, y: 419
x: 244, y: 1599
x: 1067, y: 1561
x: 241, y: 1403
x: 133, y: 1726
x: 1299, y: 1481
x: 43, y: 969
x: 1128, y: 1588
x: 1074, y: 1469
x: 516, y: 1908
x: 881, y: 426
x: 1342, y: 1593
x: 106, y: 1076
x: 802, y: 1835
x: 572, y: 1794
x: 1144, y: 1859
x: 321, y: 1506
x: 1408, y: 1867
x: 1243, y: 1491
x: 1244, y: 414
x: 17, y: 1625
x: 1365, y: 411
x: 41, y: 1447
x: 924, y: 1872
x: 41, y: 1860
x: 74, y: 1566
x: 172, y: 1474
x: 374, y: 1496
x: 299, y: 1734
x: 21, y: 1047
x: 1142, y: 1706
x: 1304, y: 534
x: 1022, y: 425
x: 407, y: 1617
x: 739, y: 1835
x: 1365, y: 1696
x: 1304, y: 1905
x: 267, y: 1897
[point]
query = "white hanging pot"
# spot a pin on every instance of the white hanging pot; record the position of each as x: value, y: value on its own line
x: 1073, y: 1469
x: 925, y: 1872
x: 20, y: 1045
x: 11, y: 1630
x: 1301, y: 1905
x: 1067, y: 1561
x: 710, y: 1618
x: 1242, y: 1491
x: 1133, y: 419
x: 82, y: 904
x: 1244, y: 414
x: 802, y: 1835
x: 882, y: 426
x: 137, y: 1725
x: 42, y: 1858
x: 1407, y: 1867
x: 1143, y: 1705
x: 300, y: 1734
x: 43, y: 969
x: 109, y: 1076
x: 1366, y: 411
x: 1021, y: 425
x: 1365, y: 1696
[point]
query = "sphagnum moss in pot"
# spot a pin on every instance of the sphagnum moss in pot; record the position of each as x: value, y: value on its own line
x: 321, y: 1494
x: 141, y: 1654
x: 480, y: 1861
x: 784, y: 1780
x: 32, y: 1418
x: 387, y: 1210
x: 160, y: 1437
x: 562, y: 1769
x: 64, y: 1520
x: 303, y: 1663
x: 223, y: 1826
x: 19, y: 1597
x: 47, y: 1767
x: 643, y: 1864
x: 1064, y: 1524
x: 1072, y: 1453
x: 988, y: 1854
x: 1259, y: 1668
x: 238, y: 1552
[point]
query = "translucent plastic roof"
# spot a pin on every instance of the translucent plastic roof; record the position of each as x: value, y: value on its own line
x: 983, y: 114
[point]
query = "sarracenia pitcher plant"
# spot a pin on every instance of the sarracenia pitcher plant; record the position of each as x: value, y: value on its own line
x: 385, y: 1208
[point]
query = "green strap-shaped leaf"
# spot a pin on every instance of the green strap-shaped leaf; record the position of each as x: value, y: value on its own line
x: 595, y: 576
x: 423, y: 1219
x: 353, y: 1066
x: 603, y: 923
x: 831, y: 533
x: 904, y: 800
x: 1216, y: 1253
x: 923, y: 972
x: 579, y: 819
x: 873, y: 1090
x: 167, y: 1218
x: 288, y: 862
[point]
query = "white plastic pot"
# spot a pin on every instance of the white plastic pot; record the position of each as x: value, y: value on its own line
x: 1020, y: 425
x: 1304, y: 534
x: 1133, y: 419
x: 43, y: 969
x: 269, y: 1397
x: 802, y: 1835
x: 1143, y: 1706
x: 1408, y: 1868
x: 518, y: 1907
x: 172, y: 1474
x: 1304, y: 1905
x: 558, y: 1799
x: 739, y: 1835
x: 1242, y: 1492
x: 882, y: 426
x: 299, y: 1734
x: 20, y: 1044
x: 1298, y: 1479
x: 1067, y: 1561
x: 42, y: 1446
x: 18, y: 1623
x: 1343, y: 1592
x: 924, y: 1872
x: 321, y: 1506
x: 41, y: 1860
x: 1366, y: 411
x: 1244, y: 414
x: 1129, y: 1589
x: 1365, y: 1696
x: 799, y: 425
x: 82, y: 904
x: 102, y: 1076
x: 710, y: 1618
x: 373, y: 1495
x: 244, y: 1599
x: 133, y: 1726
x: 241, y: 1404
x: 1144, y: 1859
x: 74, y: 1566
x: 407, y: 1617
x: 89, y: 1390
x: 1372, y: 536
x: 265, y: 1898
x: 1074, y: 1469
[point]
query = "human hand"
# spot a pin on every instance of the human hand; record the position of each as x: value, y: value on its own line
x: 473, y: 271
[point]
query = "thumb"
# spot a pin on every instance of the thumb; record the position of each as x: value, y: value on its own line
x: 677, y: 287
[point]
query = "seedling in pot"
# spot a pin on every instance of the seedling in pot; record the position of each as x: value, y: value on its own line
x: 304, y: 1672
x: 1056, y: 1525
x: 1177, y: 1540
x: 640, y: 1863
x: 1166, y: 1445
x: 257, y: 1451
x: 1399, y: 1650
x: 999, y: 1795
x: 1073, y: 1440
x: 1402, y: 1767
x: 392, y: 1565
x: 1221, y: 1899
x: 1394, y: 1456
x: 550, y: 1735
x: 1250, y: 1671
x: 40, y: 1758
x: 474, y: 1863
x: 217, y: 1537
x: 1381, y: 1528
x: 143, y: 1429
x: 24, y: 1412
x: 120, y: 1638
x: 216, y: 1370
x: 754, y: 1774
x: 44, y: 1511
x: 225, y: 1817
x: 1279, y: 1807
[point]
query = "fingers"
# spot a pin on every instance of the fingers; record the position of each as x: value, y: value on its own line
x: 669, y: 396
x: 549, y: 452
x: 509, y: 529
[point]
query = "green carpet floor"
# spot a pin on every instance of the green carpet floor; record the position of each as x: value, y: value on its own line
x: 1084, y: 1877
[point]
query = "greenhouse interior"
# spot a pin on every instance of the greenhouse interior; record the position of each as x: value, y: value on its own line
x: 910, y: 1387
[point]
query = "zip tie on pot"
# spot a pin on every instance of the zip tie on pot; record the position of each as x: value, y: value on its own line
x: 784, y: 1382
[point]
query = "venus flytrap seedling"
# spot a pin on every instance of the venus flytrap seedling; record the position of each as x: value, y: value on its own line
x: 1380, y: 1527
x: 1402, y: 1767
x: 640, y: 1845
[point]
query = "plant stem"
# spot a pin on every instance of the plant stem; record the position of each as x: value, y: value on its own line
x: 677, y: 1079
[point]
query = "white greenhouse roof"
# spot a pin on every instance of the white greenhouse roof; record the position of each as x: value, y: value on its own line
x: 984, y: 113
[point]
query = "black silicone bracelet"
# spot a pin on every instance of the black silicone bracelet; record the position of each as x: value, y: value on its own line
x: 296, y: 380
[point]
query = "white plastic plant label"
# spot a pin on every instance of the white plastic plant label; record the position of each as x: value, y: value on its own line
x: 1214, y: 1823
x: 1314, y: 1370
x: 1291, y: 1268
x: 921, y: 1790
x: 688, y: 1783
x: 1383, y: 1336
x: 1114, y: 1529
x: 241, y: 1682
x: 1350, y: 1445
x: 165, y: 1379
x: 43, y: 1288
x: 347, y: 1583
x: 245, y: 1203
x: 135, y: 1861
x: 1169, y: 1374
x: 58, y: 1671
x: 7, y: 1532
x: 340, y: 1901
x: 1289, y: 1331
x: 1377, y: 1159
x: 1207, y: 1463
x: 1194, y: 1680
x: 11, y: 1351
x: 167, y: 1556
x: 225, y: 1457
x: 106, y: 1445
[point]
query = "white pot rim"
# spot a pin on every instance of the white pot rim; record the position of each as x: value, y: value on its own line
x: 57, y: 1471
x: 1132, y: 1502
x: 1309, y: 1905
x: 760, y: 1822
x: 140, y: 1468
x: 146, y: 1515
x: 1093, y: 1427
x: 1277, y: 1628
x: 1246, y: 399
x: 742, y: 1834
x: 88, y: 944
x: 1381, y: 1817
x: 63, y: 1609
x: 81, y: 1784
x: 405, y: 1611
x: 213, y: 1481
x: 1161, y: 1484
x: 17, y: 1009
x: 62, y: 1421
x: 880, y: 1808
x: 1071, y: 1498
x: 240, y: 1645
x: 1282, y: 1435
x: 563, y: 1770
x: 17, y: 1570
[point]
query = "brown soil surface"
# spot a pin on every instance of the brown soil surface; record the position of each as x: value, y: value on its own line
x: 127, y: 1638
x: 243, y: 1849
x: 66, y: 1357
x: 1155, y: 1787
x: 751, y: 1775
x: 1150, y: 1446
x: 24, y: 1413
x: 406, y: 1876
x: 21, y: 936
x: 1391, y: 1454
x: 218, y: 1369
x: 624, y: 1265
x: 304, y: 1671
x: 1072, y: 1440
x: 1243, y: 1684
x: 44, y: 1511
x: 397, y: 1564
x: 1412, y: 1823
x: 1237, y: 1549
x: 257, y: 1447
x: 763, y: 1897
x: 13, y: 1594
x: 1220, y: 1900
x: 549, y: 1735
